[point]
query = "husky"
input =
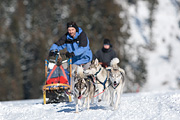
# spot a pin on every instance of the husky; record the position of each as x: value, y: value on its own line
x: 101, y: 77
x: 116, y: 79
x: 83, y: 88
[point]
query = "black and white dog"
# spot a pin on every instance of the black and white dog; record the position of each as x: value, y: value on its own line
x: 116, y: 79
x: 84, y: 88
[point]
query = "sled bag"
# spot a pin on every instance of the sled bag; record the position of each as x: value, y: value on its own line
x: 57, y: 75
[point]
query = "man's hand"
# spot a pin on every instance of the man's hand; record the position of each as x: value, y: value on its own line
x: 69, y: 55
x: 103, y: 64
x: 53, y: 53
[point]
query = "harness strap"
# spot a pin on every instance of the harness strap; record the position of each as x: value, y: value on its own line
x: 102, y: 91
x: 97, y: 72
x: 118, y: 83
x: 99, y: 93
x: 103, y: 83
x: 115, y: 86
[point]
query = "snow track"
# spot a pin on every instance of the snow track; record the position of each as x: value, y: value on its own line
x: 141, y: 106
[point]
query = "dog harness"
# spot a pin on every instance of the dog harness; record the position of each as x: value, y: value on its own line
x: 103, y: 83
x: 118, y: 83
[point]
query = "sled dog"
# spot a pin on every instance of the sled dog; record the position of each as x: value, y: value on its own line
x: 101, y: 77
x: 116, y: 79
x: 83, y: 88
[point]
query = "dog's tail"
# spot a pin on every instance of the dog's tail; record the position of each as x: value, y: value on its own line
x: 114, y: 62
x: 114, y: 65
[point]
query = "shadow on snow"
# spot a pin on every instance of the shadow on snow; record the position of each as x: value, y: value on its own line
x: 70, y: 107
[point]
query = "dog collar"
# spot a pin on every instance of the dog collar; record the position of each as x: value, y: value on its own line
x: 114, y: 86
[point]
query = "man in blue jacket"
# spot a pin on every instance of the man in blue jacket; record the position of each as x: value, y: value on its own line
x: 77, y: 44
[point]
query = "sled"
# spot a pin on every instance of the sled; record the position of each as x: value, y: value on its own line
x: 58, y: 83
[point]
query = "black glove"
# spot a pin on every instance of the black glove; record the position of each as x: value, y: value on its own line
x: 69, y: 55
x: 53, y: 53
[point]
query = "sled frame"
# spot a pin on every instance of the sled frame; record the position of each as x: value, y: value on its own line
x: 57, y: 86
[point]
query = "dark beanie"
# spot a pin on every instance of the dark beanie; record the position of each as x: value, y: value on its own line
x: 73, y: 24
x: 107, y: 42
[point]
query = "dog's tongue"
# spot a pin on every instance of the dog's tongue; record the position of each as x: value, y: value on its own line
x: 115, y: 84
x: 80, y: 97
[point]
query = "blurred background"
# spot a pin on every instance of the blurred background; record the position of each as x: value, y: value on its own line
x: 144, y: 33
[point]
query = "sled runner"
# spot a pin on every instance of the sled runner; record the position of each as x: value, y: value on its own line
x: 57, y: 81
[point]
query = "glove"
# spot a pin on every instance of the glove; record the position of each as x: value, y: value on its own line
x: 69, y: 55
x: 53, y: 53
x: 104, y: 65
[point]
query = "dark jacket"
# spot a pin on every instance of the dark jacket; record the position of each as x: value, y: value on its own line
x: 105, y: 55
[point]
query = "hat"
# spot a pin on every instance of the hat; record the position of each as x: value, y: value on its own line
x: 73, y: 24
x: 107, y: 42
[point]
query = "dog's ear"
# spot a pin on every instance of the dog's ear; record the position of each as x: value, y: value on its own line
x: 74, y: 71
x: 121, y: 70
x: 75, y: 80
x: 96, y: 62
x: 83, y: 80
x: 92, y: 62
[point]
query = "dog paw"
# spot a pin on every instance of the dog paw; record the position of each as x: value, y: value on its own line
x: 115, y: 108
x: 111, y: 104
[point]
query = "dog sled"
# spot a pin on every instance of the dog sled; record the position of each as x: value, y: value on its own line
x: 58, y: 83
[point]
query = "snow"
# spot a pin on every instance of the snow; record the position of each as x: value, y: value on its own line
x: 163, y: 71
x: 163, y: 64
x: 134, y: 106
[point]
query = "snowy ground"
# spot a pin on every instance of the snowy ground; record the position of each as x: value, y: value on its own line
x: 141, y: 106
x: 163, y: 69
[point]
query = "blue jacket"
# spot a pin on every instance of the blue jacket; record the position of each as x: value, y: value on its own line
x: 79, y: 45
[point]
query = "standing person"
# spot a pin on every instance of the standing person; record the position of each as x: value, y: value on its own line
x: 77, y: 44
x: 105, y: 54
